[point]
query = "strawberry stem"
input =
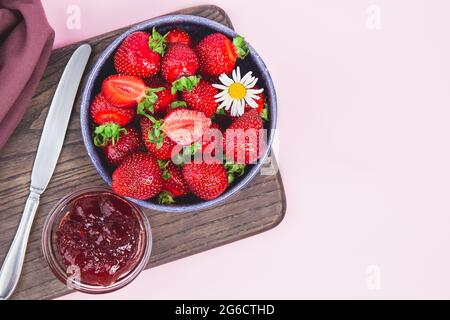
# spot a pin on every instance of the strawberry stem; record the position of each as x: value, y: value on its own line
x: 187, y: 153
x: 241, y: 47
x: 265, y: 111
x: 148, y: 102
x: 157, y: 42
x: 155, y: 135
x: 185, y: 84
x: 108, y: 132
x: 234, y: 170
x: 178, y: 104
x: 163, y: 166
x: 165, y: 198
x: 220, y: 111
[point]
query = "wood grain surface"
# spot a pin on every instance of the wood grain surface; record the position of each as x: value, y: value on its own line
x: 259, y: 207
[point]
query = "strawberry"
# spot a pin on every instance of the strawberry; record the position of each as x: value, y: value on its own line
x: 128, y: 143
x: 242, y: 141
x: 173, y: 185
x: 139, y: 54
x: 212, y: 140
x: 179, y: 61
x: 178, y: 36
x: 185, y: 126
x: 102, y: 112
x: 123, y: 91
x: 206, y: 180
x: 262, y: 108
x: 138, y: 177
x: 217, y: 54
x: 164, y: 97
x: 261, y: 102
x: 166, y: 145
x: 127, y: 91
x: 201, y: 98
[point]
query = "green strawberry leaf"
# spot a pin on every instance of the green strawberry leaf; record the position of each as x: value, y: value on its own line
x: 165, y: 198
x: 185, y: 84
x: 234, y: 170
x: 146, y: 107
x: 178, y: 104
x: 166, y: 175
x: 107, y: 132
x: 265, y: 111
x: 157, y: 42
x: 192, y: 149
x: 221, y: 111
x: 163, y: 166
x: 241, y: 47
x: 155, y: 135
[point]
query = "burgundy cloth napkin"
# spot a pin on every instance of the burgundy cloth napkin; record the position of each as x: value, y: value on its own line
x: 26, y: 41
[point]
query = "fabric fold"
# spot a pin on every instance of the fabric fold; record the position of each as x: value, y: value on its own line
x: 26, y: 41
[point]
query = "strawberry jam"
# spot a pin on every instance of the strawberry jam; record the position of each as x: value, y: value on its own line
x: 100, y: 236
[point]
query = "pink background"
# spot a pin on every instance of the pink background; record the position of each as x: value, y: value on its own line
x: 364, y: 151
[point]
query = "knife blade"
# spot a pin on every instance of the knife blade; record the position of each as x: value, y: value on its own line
x: 47, y: 155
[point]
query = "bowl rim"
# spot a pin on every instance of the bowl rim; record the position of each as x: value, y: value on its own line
x: 106, y: 54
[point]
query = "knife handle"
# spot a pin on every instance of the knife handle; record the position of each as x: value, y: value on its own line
x: 12, y: 266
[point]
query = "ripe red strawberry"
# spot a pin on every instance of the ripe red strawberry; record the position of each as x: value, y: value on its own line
x: 128, y: 143
x: 243, y: 140
x: 164, y: 152
x: 138, y: 177
x: 201, y: 98
x: 123, y: 91
x: 173, y: 185
x: 206, y: 180
x: 185, y: 126
x: 178, y: 36
x: 179, y: 61
x: 135, y: 57
x: 217, y: 54
x: 127, y: 91
x: 102, y: 111
x: 212, y: 140
x: 164, y: 97
x: 261, y: 102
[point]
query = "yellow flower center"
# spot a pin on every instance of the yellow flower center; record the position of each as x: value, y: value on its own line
x: 237, y: 90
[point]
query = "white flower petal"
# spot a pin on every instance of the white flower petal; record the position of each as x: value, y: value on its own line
x: 220, y: 86
x: 226, y: 80
x: 251, y: 102
x: 221, y: 94
x: 247, y: 76
x: 242, y: 107
x: 238, y: 74
x: 254, y: 91
x: 221, y: 99
x: 229, y: 104
x: 234, y: 76
x: 252, y: 96
x: 223, y: 104
x: 234, y: 107
x: 253, y: 83
x: 237, y: 108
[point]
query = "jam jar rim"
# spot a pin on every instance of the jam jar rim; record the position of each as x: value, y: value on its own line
x: 55, y: 266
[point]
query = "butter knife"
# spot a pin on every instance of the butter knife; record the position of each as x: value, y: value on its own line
x: 47, y: 155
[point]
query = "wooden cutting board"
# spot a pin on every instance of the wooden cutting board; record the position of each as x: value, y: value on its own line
x: 257, y: 208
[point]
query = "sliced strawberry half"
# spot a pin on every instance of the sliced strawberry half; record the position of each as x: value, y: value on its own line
x: 185, y: 126
x: 124, y: 91
x: 102, y: 112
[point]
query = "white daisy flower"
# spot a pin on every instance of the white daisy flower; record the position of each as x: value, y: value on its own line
x: 236, y: 92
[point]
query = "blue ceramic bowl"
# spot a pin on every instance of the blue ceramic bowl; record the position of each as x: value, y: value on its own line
x: 198, y: 27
